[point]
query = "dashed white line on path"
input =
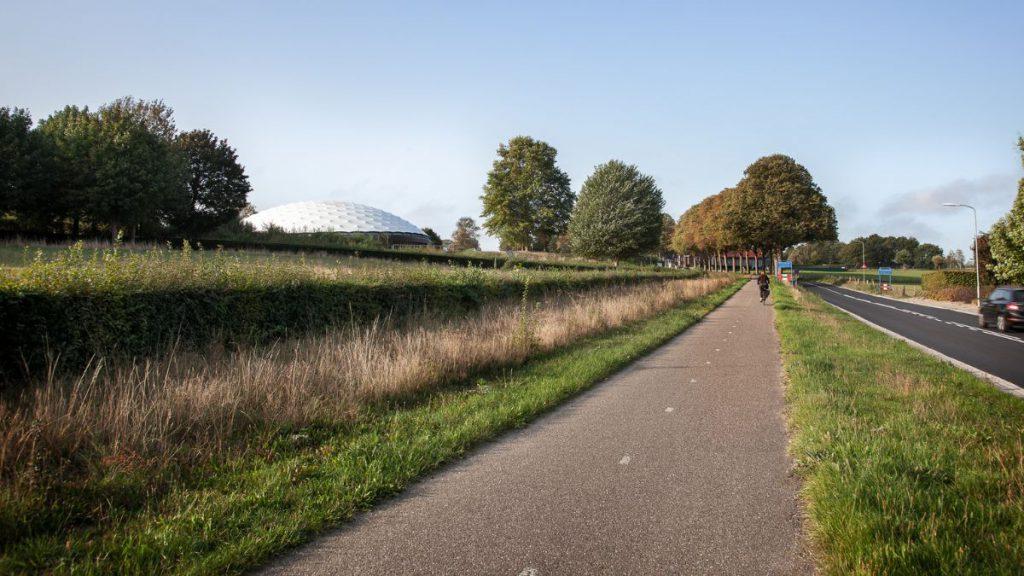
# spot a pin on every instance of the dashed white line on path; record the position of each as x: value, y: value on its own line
x: 693, y: 380
x: 668, y: 409
x: 625, y: 460
x: 529, y: 572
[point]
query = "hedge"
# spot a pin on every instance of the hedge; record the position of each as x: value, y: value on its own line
x: 430, y: 257
x: 78, y: 325
x: 933, y: 282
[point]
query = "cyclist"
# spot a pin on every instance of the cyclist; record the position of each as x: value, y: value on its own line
x: 763, y: 284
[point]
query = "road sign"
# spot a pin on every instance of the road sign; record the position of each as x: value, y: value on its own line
x: 864, y: 266
x: 885, y: 271
x: 785, y: 264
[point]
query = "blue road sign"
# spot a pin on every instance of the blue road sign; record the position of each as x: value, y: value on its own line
x: 885, y: 271
x: 785, y: 264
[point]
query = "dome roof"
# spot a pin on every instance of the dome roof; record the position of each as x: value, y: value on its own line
x: 331, y: 216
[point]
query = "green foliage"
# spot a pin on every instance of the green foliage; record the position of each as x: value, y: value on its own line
x: 618, y: 213
x: 903, y: 257
x: 435, y: 239
x: 527, y: 200
x: 25, y: 163
x: 952, y: 285
x: 1007, y: 238
x: 466, y: 235
x: 121, y: 167
x: 668, y: 229
x: 138, y: 303
x: 777, y: 205
x: 217, y: 184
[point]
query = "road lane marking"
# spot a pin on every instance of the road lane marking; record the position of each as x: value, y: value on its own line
x: 923, y: 315
x: 668, y: 409
x: 693, y: 380
x: 529, y: 572
x: 625, y: 460
x: 1000, y: 383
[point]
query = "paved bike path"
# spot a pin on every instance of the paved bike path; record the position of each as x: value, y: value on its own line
x: 677, y: 465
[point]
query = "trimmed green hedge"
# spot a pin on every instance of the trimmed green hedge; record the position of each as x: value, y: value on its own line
x: 430, y: 257
x: 933, y: 282
x: 77, y: 325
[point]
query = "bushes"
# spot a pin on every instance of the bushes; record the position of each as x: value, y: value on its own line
x: 138, y: 304
x: 951, y: 285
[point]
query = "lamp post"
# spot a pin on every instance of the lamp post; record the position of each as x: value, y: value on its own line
x: 977, y: 263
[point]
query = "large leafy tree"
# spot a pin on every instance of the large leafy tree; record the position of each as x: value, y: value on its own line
x: 527, y: 199
x: 466, y: 235
x: 140, y: 173
x: 74, y: 136
x: 668, y: 229
x: 618, y: 213
x: 25, y: 167
x: 434, y: 237
x: 217, y: 185
x: 1007, y: 238
x: 777, y: 204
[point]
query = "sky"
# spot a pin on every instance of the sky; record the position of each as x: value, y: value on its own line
x: 894, y: 107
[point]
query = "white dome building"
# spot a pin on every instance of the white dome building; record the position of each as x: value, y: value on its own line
x: 341, y: 218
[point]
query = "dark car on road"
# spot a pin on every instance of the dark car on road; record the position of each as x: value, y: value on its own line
x: 1004, y: 308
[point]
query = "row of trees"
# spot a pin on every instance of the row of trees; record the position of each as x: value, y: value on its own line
x: 774, y: 206
x: 901, y: 251
x: 528, y: 204
x: 121, y: 168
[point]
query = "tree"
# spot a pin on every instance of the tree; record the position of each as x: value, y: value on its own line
x: 527, y: 199
x: 617, y: 214
x: 25, y: 168
x: 937, y: 261
x: 904, y: 258
x: 1006, y: 238
x: 465, y: 235
x: 140, y: 174
x: 817, y: 253
x: 435, y: 239
x: 217, y: 185
x: 73, y: 136
x: 925, y: 255
x: 668, y: 228
x: 955, y: 258
x: 777, y: 205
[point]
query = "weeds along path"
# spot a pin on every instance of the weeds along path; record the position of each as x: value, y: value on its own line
x: 210, y: 462
x: 910, y: 465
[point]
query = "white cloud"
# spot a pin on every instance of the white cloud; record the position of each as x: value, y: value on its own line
x: 995, y: 189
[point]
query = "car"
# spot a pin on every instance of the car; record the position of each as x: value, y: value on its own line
x: 1004, y: 308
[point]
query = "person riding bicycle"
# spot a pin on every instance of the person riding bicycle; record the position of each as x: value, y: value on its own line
x: 763, y: 283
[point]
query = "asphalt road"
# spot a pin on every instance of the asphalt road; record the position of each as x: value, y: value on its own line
x: 952, y: 333
x: 676, y: 465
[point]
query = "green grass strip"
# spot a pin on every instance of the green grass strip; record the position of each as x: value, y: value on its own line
x: 910, y: 465
x: 253, y: 510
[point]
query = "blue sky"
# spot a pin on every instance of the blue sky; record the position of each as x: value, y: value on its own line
x: 893, y: 107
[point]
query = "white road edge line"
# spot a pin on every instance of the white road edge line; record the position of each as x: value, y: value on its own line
x: 1000, y: 383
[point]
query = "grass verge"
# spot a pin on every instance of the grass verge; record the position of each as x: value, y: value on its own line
x: 241, y: 514
x: 910, y: 465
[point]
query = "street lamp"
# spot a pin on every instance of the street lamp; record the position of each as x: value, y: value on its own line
x: 977, y: 263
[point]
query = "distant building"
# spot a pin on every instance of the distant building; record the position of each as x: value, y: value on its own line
x: 339, y: 218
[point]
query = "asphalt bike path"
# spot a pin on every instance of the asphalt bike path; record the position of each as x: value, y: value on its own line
x: 952, y: 333
x: 676, y: 465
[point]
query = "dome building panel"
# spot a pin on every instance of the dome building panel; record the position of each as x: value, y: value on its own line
x: 338, y: 217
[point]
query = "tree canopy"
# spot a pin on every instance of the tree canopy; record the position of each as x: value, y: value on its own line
x: 617, y: 214
x: 777, y: 205
x: 1006, y: 238
x: 466, y: 235
x: 527, y: 200
x: 217, y: 184
x: 121, y: 167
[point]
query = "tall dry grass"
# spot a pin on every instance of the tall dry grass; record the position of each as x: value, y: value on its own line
x: 188, y: 406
